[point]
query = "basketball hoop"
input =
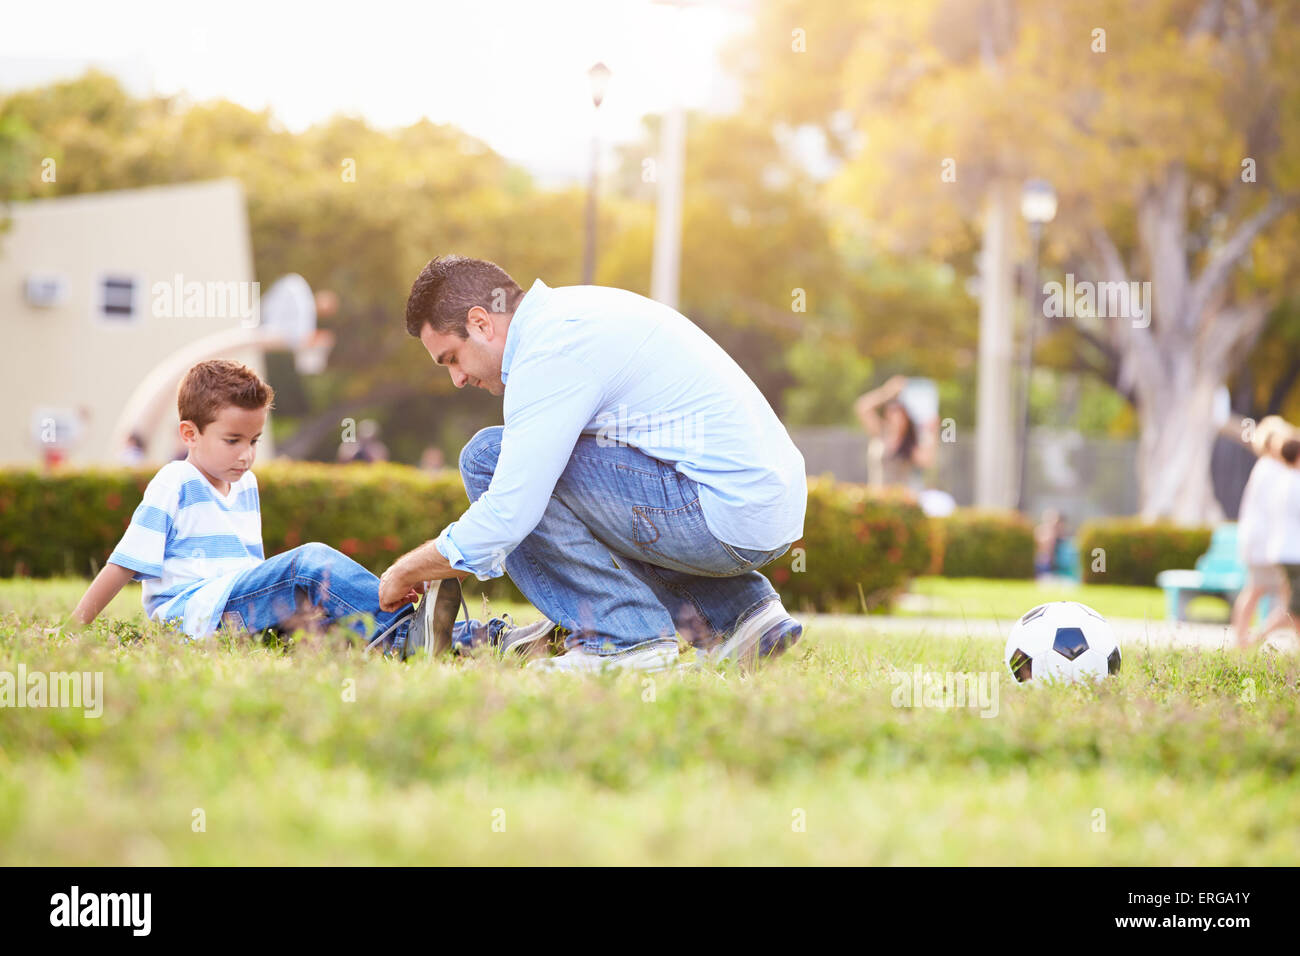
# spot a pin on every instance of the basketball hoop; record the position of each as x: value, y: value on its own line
x: 289, y: 310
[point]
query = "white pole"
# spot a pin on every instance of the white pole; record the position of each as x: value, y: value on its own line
x: 665, y: 276
x: 995, y: 446
x: 665, y: 270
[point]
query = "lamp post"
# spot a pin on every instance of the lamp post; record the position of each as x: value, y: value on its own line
x: 1037, y: 208
x: 599, y: 77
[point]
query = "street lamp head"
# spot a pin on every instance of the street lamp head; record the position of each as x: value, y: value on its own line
x: 1038, y: 202
x: 599, y: 76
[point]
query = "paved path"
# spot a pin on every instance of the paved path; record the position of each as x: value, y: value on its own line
x: 1131, y: 632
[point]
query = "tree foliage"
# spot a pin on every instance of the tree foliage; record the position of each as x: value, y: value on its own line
x: 1170, y: 129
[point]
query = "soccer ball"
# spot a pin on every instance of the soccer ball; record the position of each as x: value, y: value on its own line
x: 1062, y: 641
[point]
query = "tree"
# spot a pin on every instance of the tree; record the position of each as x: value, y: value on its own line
x: 349, y: 207
x: 1170, y: 128
x: 801, y: 306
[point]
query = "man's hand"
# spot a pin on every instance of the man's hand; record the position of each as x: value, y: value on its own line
x: 394, y: 591
x: 407, y: 579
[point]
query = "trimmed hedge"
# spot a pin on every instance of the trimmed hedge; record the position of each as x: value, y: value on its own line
x: 985, y: 544
x: 1137, y: 551
x: 860, y: 545
x: 68, y: 522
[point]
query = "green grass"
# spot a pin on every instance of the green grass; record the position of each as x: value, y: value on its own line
x: 1003, y: 599
x: 313, y: 754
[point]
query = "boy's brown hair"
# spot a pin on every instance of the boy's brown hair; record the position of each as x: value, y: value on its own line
x: 210, y: 386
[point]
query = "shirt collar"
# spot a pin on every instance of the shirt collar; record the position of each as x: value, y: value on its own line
x: 529, y: 304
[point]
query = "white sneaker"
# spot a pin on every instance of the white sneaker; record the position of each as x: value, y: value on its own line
x: 651, y: 656
x: 743, y: 647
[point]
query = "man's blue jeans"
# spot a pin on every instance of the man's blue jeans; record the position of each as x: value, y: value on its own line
x: 269, y: 594
x: 622, y: 554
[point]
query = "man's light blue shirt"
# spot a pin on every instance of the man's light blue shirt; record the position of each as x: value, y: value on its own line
x: 626, y: 369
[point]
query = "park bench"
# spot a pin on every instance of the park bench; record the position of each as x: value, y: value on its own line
x: 1219, y: 573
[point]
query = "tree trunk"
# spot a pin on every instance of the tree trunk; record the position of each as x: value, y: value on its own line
x: 1192, y: 337
x: 1178, y: 432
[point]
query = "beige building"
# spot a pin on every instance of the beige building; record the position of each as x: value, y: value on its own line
x: 105, y: 300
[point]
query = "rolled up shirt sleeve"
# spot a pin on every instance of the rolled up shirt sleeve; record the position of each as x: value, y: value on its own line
x: 549, y: 400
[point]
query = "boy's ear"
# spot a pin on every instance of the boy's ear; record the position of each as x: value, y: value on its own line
x: 189, y: 431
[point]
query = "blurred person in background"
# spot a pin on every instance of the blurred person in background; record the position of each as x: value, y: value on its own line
x: 432, y: 460
x: 1282, y: 539
x: 899, y: 451
x: 134, y: 451
x: 1262, y: 504
x: 367, y: 447
x: 1047, y: 535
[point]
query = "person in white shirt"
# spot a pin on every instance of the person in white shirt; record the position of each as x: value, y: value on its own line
x: 1283, y: 542
x: 1256, y: 519
x: 638, y: 484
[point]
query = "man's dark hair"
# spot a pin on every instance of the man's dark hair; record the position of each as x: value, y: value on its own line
x: 449, y: 286
x: 1291, y: 450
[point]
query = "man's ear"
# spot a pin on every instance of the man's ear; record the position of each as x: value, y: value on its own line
x: 479, y: 318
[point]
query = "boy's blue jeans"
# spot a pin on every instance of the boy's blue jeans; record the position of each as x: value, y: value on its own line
x: 622, y: 554
x: 267, y: 595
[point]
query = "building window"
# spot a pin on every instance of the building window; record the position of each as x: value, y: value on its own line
x: 117, y: 299
x: 46, y: 291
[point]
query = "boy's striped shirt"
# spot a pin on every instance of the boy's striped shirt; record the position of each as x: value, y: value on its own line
x: 188, y: 543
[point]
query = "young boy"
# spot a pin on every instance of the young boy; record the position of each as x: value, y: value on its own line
x: 195, y: 542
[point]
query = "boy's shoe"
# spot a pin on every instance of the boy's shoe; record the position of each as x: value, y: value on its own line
x: 429, y: 634
x: 657, y: 655
x: 767, y: 633
x: 382, y: 643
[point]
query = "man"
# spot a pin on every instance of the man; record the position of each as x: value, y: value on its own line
x: 639, y: 481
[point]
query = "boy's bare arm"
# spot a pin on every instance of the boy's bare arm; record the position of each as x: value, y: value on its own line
x: 103, y: 589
